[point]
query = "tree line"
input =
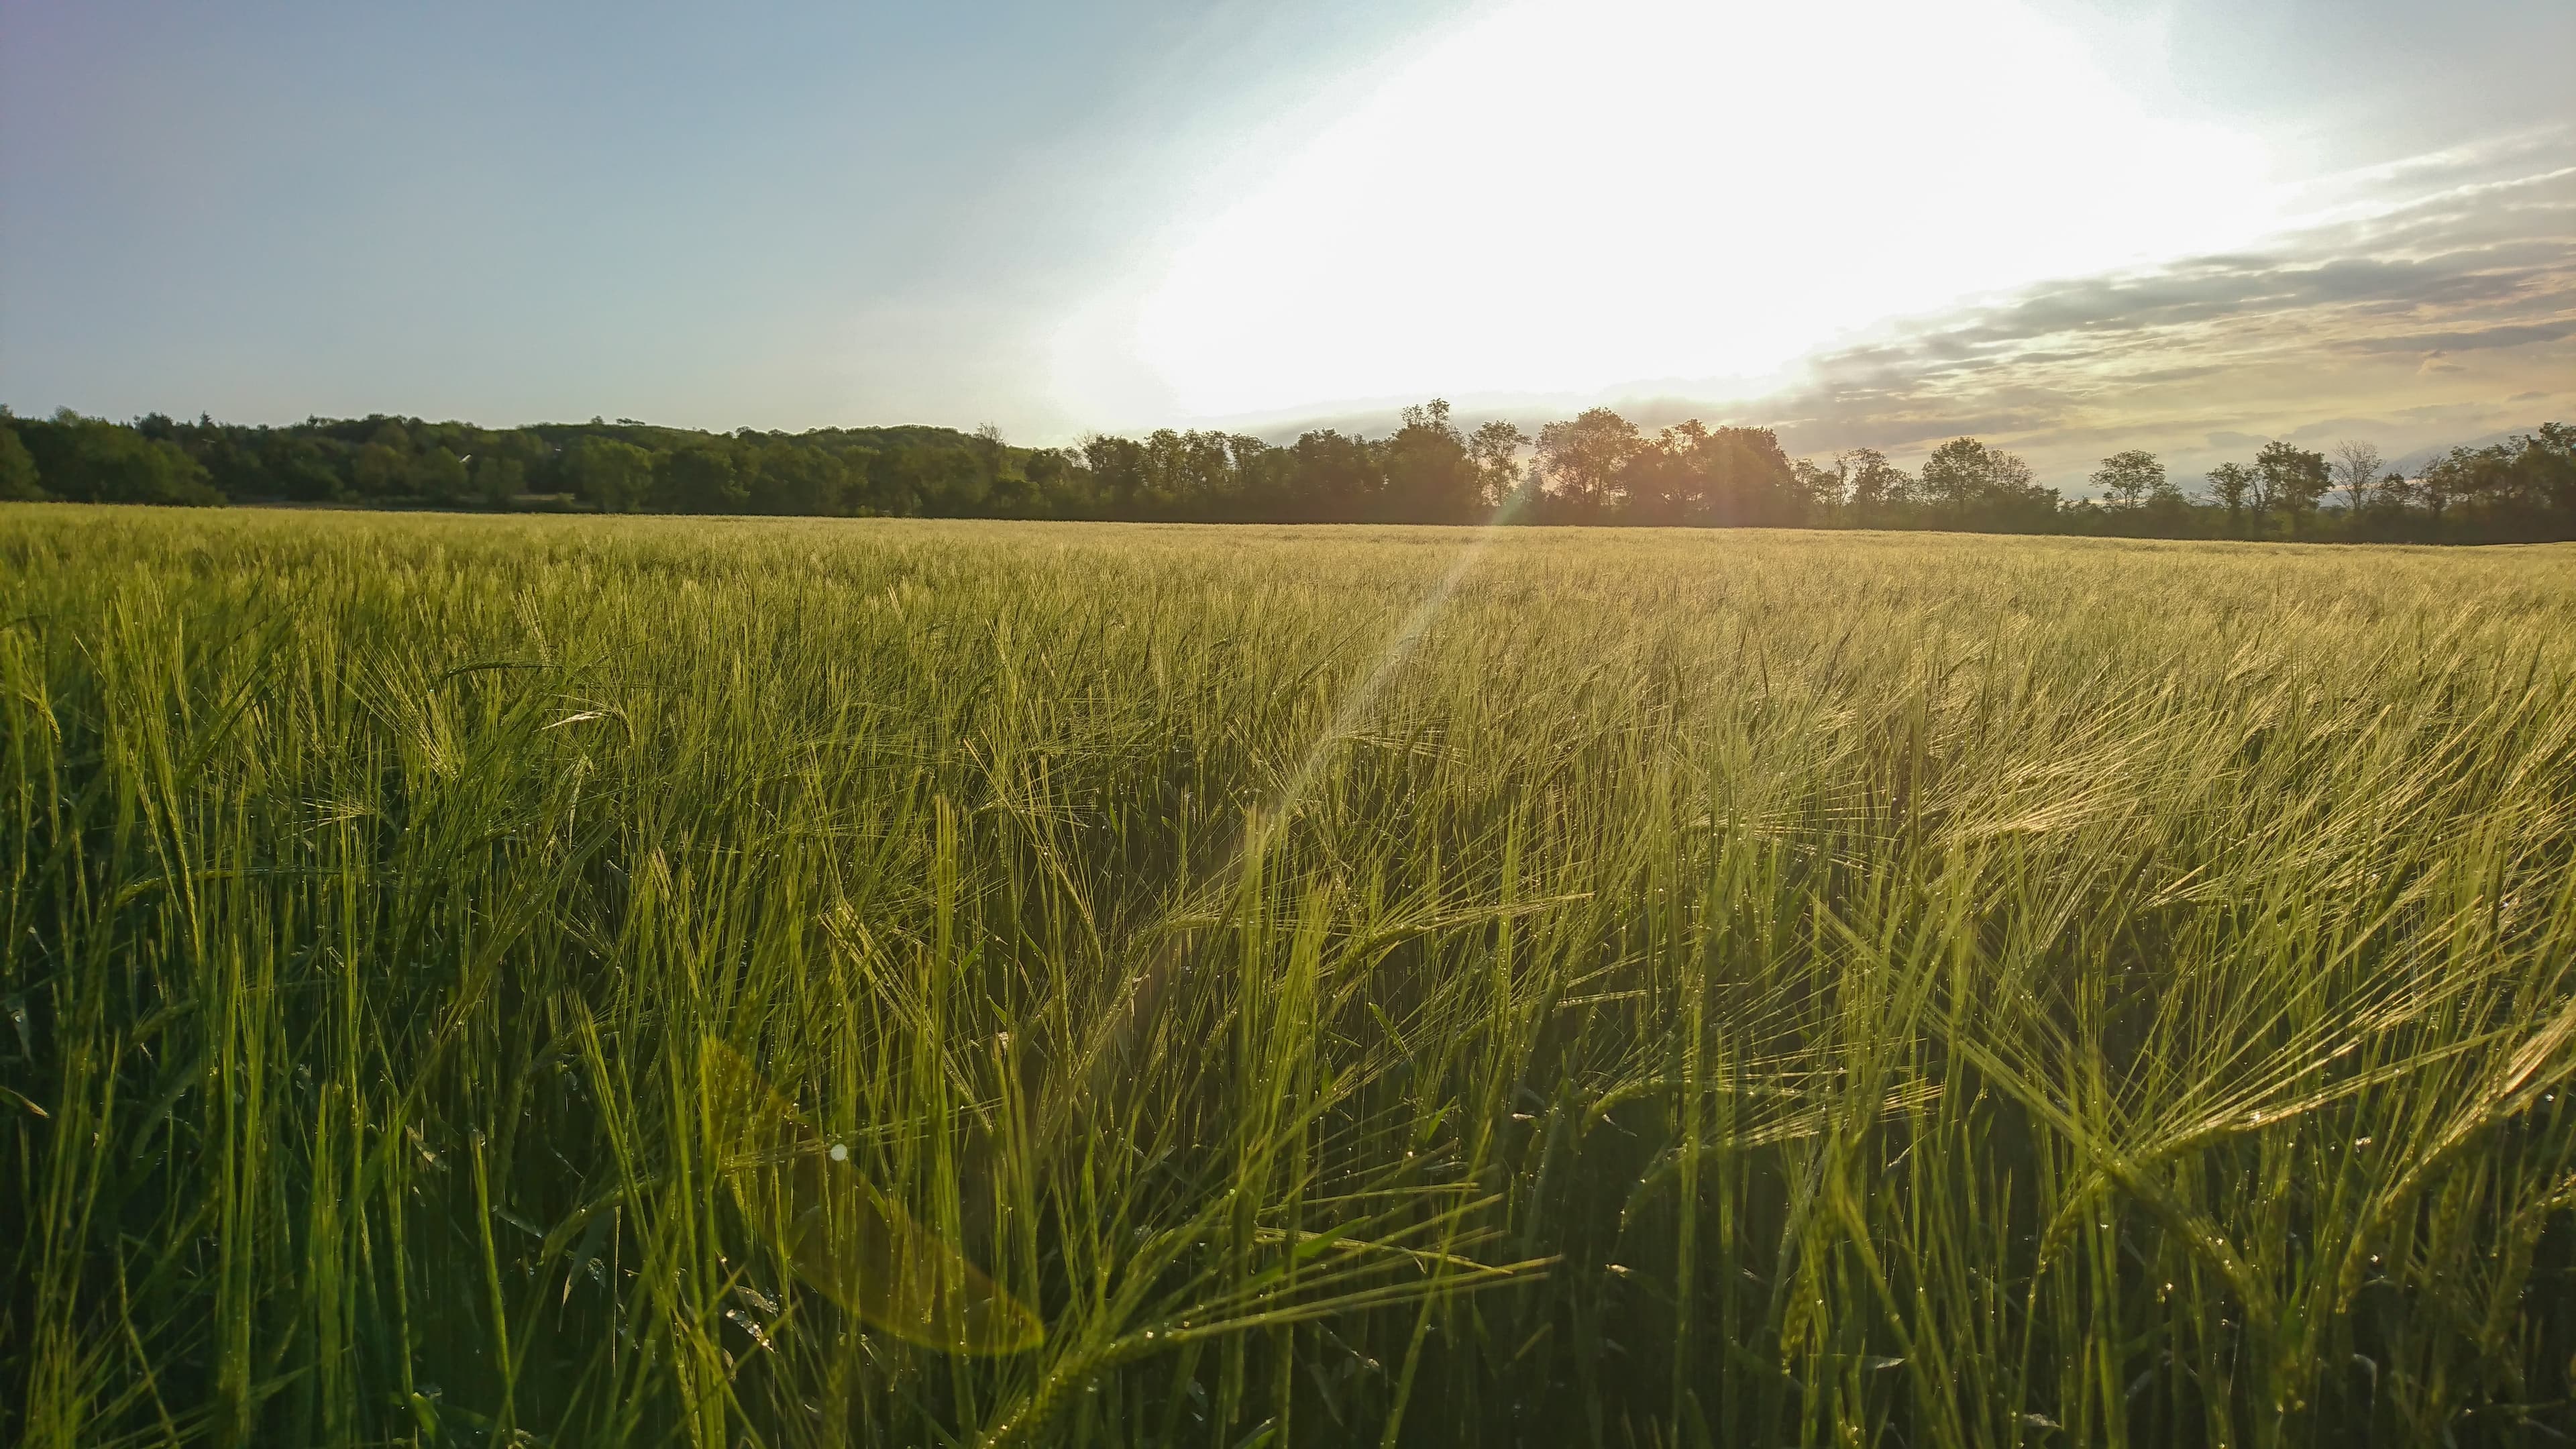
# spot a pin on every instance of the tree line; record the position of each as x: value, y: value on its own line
x: 1596, y: 468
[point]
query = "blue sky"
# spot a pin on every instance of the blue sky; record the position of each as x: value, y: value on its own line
x: 2054, y: 222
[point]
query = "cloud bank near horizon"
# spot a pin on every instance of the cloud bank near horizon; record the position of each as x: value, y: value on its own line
x: 2436, y: 304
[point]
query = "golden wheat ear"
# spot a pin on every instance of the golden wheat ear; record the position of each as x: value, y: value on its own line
x: 843, y: 1238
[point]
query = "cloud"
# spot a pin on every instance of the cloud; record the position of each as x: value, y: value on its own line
x: 2438, y: 343
x: 2431, y: 301
x: 2403, y: 314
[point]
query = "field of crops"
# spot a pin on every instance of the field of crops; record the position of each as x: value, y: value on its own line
x: 585, y: 982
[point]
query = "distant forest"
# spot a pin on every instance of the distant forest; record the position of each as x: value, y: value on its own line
x: 1597, y: 468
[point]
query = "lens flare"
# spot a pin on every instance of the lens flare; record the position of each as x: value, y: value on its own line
x: 843, y: 1238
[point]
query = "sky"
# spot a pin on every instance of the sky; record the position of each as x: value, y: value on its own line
x: 2069, y: 226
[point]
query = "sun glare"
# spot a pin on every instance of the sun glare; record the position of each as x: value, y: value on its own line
x: 1570, y: 195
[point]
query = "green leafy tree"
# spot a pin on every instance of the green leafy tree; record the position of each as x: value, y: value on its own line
x: 18, y: 477
x: 2231, y: 484
x: 91, y: 460
x: 1054, y: 483
x: 274, y: 463
x: 1873, y: 488
x: 699, y: 478
x: 798, y: 480
x: 1117, y: 469
x: 1595, y: 468
x: 1011, y: 493
x: 943, y: 479
x: 2293, y: 479
x: 614, y: 476
x: 380, y: 471
x: 2524, y: 488
x: 304, y: 473
x: 1966, y: 477
x: 1188, y: 474
x: 861, y: 466
x: 2548, y: 467
x: 2130, y: 478
x: 498, y: 480
x: 439, y: 476
x: 2446, y: 480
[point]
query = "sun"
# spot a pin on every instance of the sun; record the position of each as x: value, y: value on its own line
x: 1570, y: 195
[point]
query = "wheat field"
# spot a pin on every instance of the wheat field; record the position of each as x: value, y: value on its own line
x: 581, y: 982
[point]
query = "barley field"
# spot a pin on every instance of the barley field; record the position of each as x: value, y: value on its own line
x: 587, y: 982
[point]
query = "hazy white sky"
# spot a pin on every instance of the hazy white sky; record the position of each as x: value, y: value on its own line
x: 2050, y: 221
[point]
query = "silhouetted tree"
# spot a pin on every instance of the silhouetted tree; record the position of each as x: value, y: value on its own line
x: 2129, y: 478
x: 1579, y: 463
x: 1496, y: 449
x: 1431, y: 474
x: 2357, y: 468
x: 1336, y: 476
x: 1873, y: 488
x: 1726, y: 477
x: 1969, y: 479
x: 1595, y: 468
